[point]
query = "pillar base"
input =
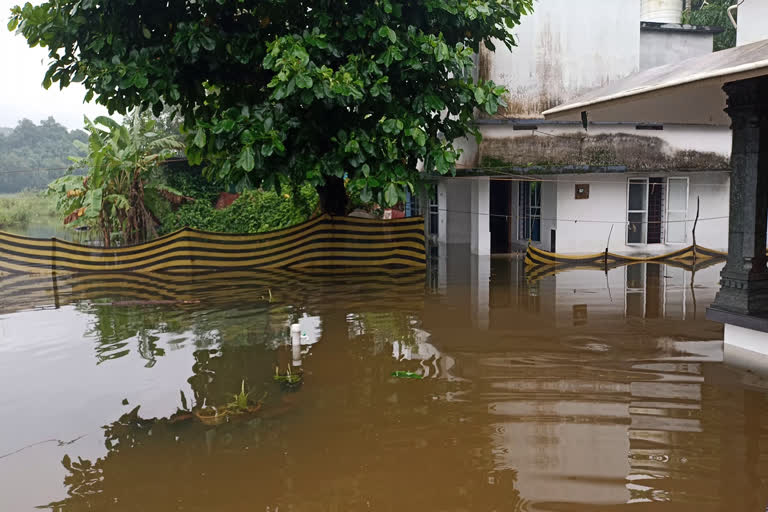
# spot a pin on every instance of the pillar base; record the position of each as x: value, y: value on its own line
x: 742, y: 295
x: 745, y: 340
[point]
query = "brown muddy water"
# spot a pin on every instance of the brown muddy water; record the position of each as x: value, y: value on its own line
x: 572, y: 392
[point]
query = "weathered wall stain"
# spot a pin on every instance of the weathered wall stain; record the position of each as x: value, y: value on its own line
x: 635, y: 152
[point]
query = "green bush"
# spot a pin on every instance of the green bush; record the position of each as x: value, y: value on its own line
x: 22, y: 208
x: 254, y: 211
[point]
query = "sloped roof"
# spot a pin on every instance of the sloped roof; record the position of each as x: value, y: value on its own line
x: 688, y: 92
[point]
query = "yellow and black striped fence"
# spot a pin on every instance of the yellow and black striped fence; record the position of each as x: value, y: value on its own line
x: 541, y: 263
x: 321, y: 243
x: 316, y: 288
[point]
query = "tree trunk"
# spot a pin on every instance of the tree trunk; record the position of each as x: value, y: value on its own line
x: 333, y: 196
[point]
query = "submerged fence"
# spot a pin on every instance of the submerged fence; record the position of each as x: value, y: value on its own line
x: 323, y: 242
x: 541, y: 263
x: 315, y: 288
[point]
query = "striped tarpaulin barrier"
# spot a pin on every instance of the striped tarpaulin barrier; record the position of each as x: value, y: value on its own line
x: 534, y: 256
x: 390, y: 289
x: 541, y: 263
x: 323, y: 242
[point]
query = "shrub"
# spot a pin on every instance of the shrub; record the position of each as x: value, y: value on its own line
x: 254, y: 211
x: 22, y: 208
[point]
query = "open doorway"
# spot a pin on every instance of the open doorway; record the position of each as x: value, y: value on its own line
x: 501, y: 216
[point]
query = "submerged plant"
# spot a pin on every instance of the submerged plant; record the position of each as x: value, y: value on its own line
x: 288, y: 379
x: 240, y: 400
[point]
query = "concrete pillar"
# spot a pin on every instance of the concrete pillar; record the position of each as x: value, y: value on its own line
x: 442, y: 214
x: 480, y: 235
x: 744, y: 283
x: 480, y: 281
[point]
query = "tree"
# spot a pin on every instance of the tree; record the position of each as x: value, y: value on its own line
x: 32, y: 155
x: 279, y: 91
x: 122, y: 181
x: 714, y: 13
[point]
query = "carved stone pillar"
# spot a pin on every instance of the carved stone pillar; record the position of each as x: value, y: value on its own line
x: 744, y: 283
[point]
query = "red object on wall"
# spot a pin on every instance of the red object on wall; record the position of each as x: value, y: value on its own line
x: 225, y: 200
x: 393, y: 213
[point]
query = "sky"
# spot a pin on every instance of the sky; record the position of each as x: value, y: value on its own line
x: 21, y: 93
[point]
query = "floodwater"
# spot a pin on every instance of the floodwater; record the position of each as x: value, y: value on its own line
x: 578, y: 391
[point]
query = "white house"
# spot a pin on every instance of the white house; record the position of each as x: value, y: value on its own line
x: 634, y: 186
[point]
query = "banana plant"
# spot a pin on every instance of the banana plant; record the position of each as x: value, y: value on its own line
x: 123, y: 186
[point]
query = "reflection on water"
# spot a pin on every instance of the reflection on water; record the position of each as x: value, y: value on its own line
x: 49, y: 228
x: 576, y: 391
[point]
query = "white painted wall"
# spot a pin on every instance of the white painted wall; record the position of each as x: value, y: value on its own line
x: 454, y: 203
x: 480, y: 233
x: 566, y: 48
x: 548, y: 214
x: 659, y: 48
x: 752, y: 21
x: 583, y: 225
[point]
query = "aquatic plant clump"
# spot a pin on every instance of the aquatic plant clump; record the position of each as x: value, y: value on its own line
x: 240, y: 405
x: 289, y: 380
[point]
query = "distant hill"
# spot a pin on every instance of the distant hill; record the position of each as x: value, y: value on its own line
x: 31, y: 156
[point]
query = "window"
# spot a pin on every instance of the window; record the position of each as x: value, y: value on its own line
x: 656, y: 210
x: 434, y: 210
x: 529, y: 201
x: 637, y: 211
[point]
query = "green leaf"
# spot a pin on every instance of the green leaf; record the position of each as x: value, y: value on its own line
x: 246, y: 161
x: 366, y: 169
x: 199, y: 140
x: 146, y: 32
x: 441, y: 52
x: 480, y: 95
x: 390, y: 195
x: 208, y: 43
x: 92, y: 202
x: 388, y: 33
x: 304, y: 81
x: 419, y: 136
x: 352, y: 147
x: 140, y: 81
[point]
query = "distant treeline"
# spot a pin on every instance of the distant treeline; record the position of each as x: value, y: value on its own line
x: 31, y: 156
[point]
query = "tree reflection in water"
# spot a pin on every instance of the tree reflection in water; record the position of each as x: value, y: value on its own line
x: 161, y: 464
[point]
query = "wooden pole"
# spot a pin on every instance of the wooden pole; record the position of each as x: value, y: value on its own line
x: 695, y: 222
x: 607, y: 244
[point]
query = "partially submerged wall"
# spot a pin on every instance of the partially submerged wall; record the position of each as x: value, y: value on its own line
x: 584, y: 225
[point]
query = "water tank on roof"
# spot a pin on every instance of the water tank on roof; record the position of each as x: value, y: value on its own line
x: 661, y: 11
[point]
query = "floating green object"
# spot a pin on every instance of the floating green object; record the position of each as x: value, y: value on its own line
x: 289, y: 380
x: 407, y: 375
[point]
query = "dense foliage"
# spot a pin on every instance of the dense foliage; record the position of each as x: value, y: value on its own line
x: 253, y: 212
x: 18, y: 210
x: 32, y: 155
x: 714, y: 13
x: 289, y: 91
x: 123, y: 179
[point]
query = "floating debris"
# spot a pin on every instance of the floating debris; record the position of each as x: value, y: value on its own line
x: 407, y: 375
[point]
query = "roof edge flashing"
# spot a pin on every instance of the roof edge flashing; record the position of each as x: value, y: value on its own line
x: 653, y: 26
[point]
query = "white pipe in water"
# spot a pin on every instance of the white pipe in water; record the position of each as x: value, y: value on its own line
x: 296, y: 344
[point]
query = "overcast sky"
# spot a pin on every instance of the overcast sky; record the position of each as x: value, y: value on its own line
x: 21, y: 93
